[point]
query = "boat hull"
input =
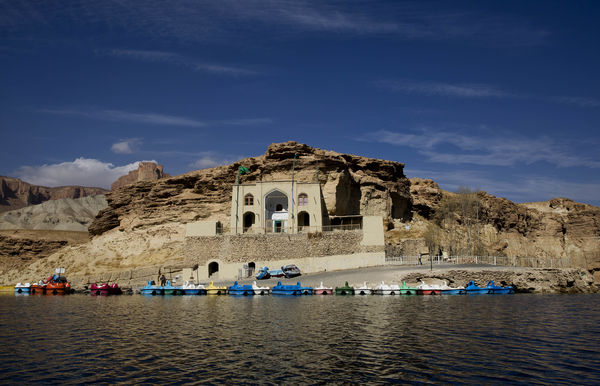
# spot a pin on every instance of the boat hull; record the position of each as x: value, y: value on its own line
x: 502, y: 291
x: 323, y: 291
x: 480, y: 291
x: 363, y: 291
x: 457, y: 291
x: 216, y: 291
x: 22, y: 290
x: 429, y: 292
x: 408, y: 292
x: 151, y: 291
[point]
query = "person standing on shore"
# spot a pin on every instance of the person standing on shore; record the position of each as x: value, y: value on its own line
x: 163, y: 280
x: 420, y: 262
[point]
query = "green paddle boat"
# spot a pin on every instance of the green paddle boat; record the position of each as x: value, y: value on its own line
x: 406, y: 290
x: 345, y: 290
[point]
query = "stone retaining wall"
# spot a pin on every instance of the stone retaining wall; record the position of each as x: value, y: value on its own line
x: 242, y: 248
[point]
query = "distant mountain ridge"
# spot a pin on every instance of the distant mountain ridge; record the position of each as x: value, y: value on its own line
x: 67, y: 214
x: 17, y: 194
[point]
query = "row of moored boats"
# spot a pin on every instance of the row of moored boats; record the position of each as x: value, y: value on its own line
x: 297, y: 289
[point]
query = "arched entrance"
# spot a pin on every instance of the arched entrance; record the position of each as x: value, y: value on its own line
x: 249, y: 219
x: 213, y: 268
x: 303, y: 220
x: 276, y: 211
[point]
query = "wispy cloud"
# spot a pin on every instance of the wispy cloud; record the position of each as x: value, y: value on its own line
x: 126, y: 146
x: 152, y: 118
x: 520, y: 188
x: 443, y: 89
x: 489, y: 150
x: 82, y: 171
x: 177, y: 59
x: 206, y: 20
x: 474, y: 91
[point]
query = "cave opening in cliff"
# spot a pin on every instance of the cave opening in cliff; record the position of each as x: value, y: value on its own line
x: 213, y: 268
x: 400, y: 207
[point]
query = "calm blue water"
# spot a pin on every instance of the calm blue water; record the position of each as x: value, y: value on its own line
x: 304, y: 340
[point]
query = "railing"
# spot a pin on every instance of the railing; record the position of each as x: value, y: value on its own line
x: 303, y: 229
x: 509, y: 261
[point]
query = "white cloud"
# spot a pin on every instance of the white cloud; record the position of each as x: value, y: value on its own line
x: 178, y: 59
x: 152, y: 118
x: 485, y: 149
x: 211, y: 159
x: 82, y: 172
x: 126, y: 146
x: 444, y: 89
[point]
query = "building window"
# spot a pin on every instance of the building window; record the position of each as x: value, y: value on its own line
x: 302, y: 199
x: 248, y: 199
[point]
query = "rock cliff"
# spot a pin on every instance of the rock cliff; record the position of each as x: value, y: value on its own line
x: 16, y: 194
x: 350, y: 185
x: 146, y: 171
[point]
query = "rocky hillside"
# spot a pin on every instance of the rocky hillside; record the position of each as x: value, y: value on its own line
x: 146, y: 171
x: 20, y: 248
x: 350, y: 185
x: 17, y: 194
x: 558, y: 228
x: 65, y: 214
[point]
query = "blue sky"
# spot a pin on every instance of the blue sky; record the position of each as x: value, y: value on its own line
x: 501, y: 96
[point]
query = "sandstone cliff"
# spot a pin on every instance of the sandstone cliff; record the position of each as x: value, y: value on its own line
x: 65, y: 214
x: 16, y: 194
x: 146, y: 171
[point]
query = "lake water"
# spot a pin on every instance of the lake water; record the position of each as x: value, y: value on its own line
x: 298, y: 340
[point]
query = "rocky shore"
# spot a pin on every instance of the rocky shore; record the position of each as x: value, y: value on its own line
x: 524, y: 280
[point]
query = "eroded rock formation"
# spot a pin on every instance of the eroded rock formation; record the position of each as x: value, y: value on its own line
x: 350, y: 185
x: 16, y: 194
x: 146, y: 171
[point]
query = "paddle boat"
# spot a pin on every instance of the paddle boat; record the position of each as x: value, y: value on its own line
x: 364, y: 289
x: 447, y: 290
x: 38, y: 288
x: 473, y: 289
x: 428, y: 289
x: 406, y: 290
x: 344, y: 290
x: 151, y: 289
x: 169, y: 289
x: 322, y: 290
x: 495, y: 289
x: 23, y: 288
x: 289, y: 289
x: 237, y: 289
x: 290, y: 271
x: 384, y: 289
x: 190, y: 288
x: 211, y: 289
x: 260, y: 290
x: 105, y: 289
x: 263, y: 274
x: 58, y: 285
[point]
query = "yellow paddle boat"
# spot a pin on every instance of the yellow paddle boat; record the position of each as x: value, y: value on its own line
x: 211, y: 289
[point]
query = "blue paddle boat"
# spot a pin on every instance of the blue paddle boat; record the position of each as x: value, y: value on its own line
x: 151, y: 289
x: 237, y: 289
x: 172, y: 290
x: 263, y: 274
x: 291, y: 290
x: 473, y: 289
x: 496, y: 289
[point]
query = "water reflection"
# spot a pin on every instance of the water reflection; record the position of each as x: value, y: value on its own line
x: 264, y: 339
